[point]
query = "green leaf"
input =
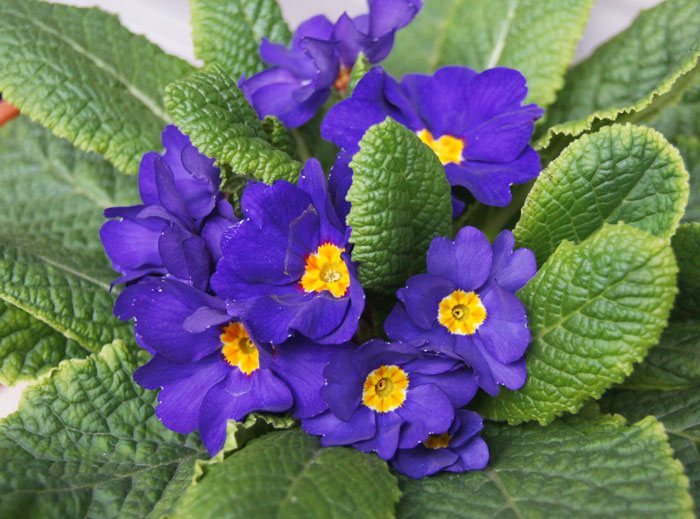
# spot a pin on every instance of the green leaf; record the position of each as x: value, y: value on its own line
x: 210, y: 108
x: 279, y: 136
x: 228, y: 32
x: 679, y: 411
x: 84, y: 76
x: 681, y: 126
x: 594, y: 469
x: 400, y: 201
x: 538, y: 38
x: 686, y: 246
x: 595, y: 309
x: 621, y: 173
x: 86, y: 443
x: 361, y: 67
x: 52, y: 197
x: 287, y: 474
x: 674, y: 363
x: 642, y: 69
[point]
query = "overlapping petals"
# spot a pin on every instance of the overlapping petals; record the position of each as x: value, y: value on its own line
x: 465, y: 306
x: 479, y: 115
x: 320, y: 58
x: 267, y: 255
x: 177, y: 229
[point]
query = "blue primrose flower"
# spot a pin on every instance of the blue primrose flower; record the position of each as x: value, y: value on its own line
x: 208, y: 368
x: 465, y: 306
x: 474, y: 122
x: 458, y: 449
x: 321, y: 57
x: 382, y: 397
x: 176, y: 231
x: 286, y: 268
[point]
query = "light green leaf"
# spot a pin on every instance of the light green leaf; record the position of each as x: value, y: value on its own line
x: 595, y: 309
x: 538, y: 38
x: 603, y: 468
x: 279, y: 136
x: 84, y: 76
x: 681, y: 126
x: 52, y: 197
x: 632, y: 76
x: 86, y: 443
x: 624, y: 173
x: 400, y: 201
x: 228, y: 32
x: 674, y: 363
x: 679, y: 411
x: 686, y: 246
x: 361, y: 67
x: 287, y: 474
x: 210, y: 108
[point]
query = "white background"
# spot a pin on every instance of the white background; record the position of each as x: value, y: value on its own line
x: 166, y: 22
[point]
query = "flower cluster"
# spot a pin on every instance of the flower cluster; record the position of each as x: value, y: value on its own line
x: 321, y: 58
x: 258, y: 313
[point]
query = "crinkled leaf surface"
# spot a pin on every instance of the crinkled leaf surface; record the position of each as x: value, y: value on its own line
x: 400, y: 201
x: 633, y: 75
x: 572, y: 468
x: 595, y: 309
x: 686, y: 246
x: 54, y: 276
x: 538, y: 38
x: 621, y: 173
x: 86, y: 443
x: 674, y: 363
x: 84, y: 76
x: 680, y: 413
x: 228, y: 32
x: 287, y: 474
x: 210, y: 108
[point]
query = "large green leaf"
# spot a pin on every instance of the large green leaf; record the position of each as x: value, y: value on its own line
x: 599, y: 468
x: 595, y: 309
x: 680, y: 413
x: 536, y: 37
x: 86, y: 443
x: 686, y: 246
x: 680, y: 124
x: 621, y: 173
x: 80, y: 73
x: 228, y: 32
x: 400, y: 201
x: 633, y: 75
x: 674, y: 363
x: 210, y: 108
x: 288, y: 474
x: 51, y: 202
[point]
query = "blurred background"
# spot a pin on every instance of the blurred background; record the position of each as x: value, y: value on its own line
x: 167, y: 23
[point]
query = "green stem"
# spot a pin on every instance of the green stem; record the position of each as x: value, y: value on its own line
x: 302, y: 146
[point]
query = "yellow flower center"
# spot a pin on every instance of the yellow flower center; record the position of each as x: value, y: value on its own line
x: 326, y: 270
x: 438, y: 441
x: 385, y: 389
x: 447, y: 148
x: 238, y: 349
x: 461, y: 312
x: 342, y: 82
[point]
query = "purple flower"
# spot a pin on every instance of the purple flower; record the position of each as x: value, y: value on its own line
x: 285, y: 267
x: 321, y: 57
x: 208, y: 368
x: 465, y: 306
x: 177, y: 229
x: 475, y: 123
x: 383, y: 397
x: 458, y: 449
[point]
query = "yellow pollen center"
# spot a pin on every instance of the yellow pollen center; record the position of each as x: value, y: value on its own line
x: 326, y: 270
x: 449, y: 149
x: 385, y: 389
x: 461, y: 312
x: 438, y: 441
x: 238, y: 349
x: 342, y: 82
